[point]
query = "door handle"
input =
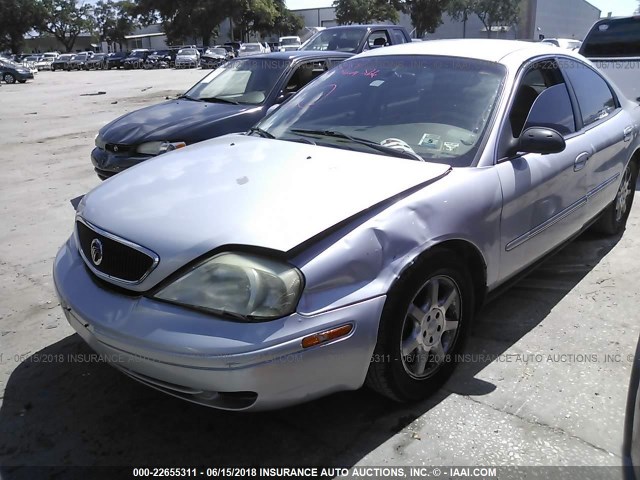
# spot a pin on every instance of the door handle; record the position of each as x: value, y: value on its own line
x: 581, y: 161
x: 628, y: 134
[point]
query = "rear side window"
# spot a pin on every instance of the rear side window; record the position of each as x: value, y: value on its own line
x: 398, y: 36
x: 613, y: 38
x: 594, y: 95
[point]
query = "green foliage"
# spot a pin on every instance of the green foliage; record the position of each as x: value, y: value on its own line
x: 65, y: 20
x: 426, y: 15
x: 365, y: 11
x: 491, y: 13
x: 114, y: 20
x: 17, y: 17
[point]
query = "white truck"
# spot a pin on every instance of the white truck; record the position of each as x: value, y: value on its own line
x: 613, y: 45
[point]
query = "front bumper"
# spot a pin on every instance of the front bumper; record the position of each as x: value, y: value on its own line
x: 107, y: 164
x: 213, y: 361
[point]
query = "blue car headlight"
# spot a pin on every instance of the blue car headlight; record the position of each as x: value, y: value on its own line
x: 158, y: 148
x: 241, y: 285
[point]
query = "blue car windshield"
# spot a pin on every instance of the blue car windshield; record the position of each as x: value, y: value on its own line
x: 244, y: 81
x: 432, y: 108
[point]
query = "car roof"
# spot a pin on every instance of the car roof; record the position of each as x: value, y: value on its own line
x: 492, y: 50
x: 362, y: 27
x: 302, y: 54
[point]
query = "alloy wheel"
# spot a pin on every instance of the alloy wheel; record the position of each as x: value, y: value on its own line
x: 430, y: 327
x: 624, y: 194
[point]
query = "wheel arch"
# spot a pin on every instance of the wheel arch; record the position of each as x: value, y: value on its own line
x: 470, y: 256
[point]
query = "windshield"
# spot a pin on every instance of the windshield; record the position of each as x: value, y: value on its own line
x: 64, y: 57
x: 289, y: 41
x: 217, y: 51
x: 341, y: 40
x: 430, y: 108
x: 81, y: 56
x: 98, y: 56
x: 613, y: 38
x: 245, y: 81
x: 138, y: 54
x: 187, y: 51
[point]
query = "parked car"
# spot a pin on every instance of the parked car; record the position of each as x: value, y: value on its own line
x: 288, y: 44
x: 136, y: 59
x: 116, y: 59
x: 30, y: 62
x: 187, y: 58
x: 249, y: 49
x: 235, y: 46
x: 62, y: 62
x: 569, y: 43
x: 230, y: 51
x: 214, y: 57
x: 79, y: 61
x: 357, y: 38
x: 44, y: 63
x: 230, y: 99
x: 613, y: 45
x: 97, y: 62
x: 12, y: 72
x: 350, y: 236
x: 159, y: 59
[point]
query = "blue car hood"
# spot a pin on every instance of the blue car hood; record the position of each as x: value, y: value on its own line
x: 175, y: 120
x: 244, y: 190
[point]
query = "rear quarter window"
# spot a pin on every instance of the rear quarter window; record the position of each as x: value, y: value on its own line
x: 613, y: 38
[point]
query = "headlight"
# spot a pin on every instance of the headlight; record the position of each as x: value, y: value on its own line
x: 99, y: 141
x: 157, y: 148
x: 239, y: 284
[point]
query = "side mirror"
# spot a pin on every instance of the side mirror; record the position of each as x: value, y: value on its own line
x: 540, y: 140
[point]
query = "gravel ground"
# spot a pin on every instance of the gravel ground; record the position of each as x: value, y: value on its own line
x: 545, y: 384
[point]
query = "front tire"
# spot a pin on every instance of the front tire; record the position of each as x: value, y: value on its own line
x: 423, y: 326
x: 614, y: 218
x: 8, y: 78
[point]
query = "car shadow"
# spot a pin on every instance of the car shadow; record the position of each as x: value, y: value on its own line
x: 61, y: 407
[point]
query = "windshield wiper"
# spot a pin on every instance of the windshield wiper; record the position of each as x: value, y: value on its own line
x: 393, y: 152
x: 219, y: 100
x: 261, y: 132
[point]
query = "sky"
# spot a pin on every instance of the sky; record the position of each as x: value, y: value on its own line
x: 617, y: 7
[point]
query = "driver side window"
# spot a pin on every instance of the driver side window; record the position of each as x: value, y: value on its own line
x: 542, y: 99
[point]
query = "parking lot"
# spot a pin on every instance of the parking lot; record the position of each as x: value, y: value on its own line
x: 544, y: 382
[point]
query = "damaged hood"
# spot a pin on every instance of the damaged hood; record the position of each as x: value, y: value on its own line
x: 176, y: 120
x: 244, y: 190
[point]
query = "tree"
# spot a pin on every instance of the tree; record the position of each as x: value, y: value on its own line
x: 114, y: 20
x: 492, y: 13
x: 17, y: 17
x: 65, y: 20
x: 426, y: 15
x: 638, y: 9
x: 286, y: 22
x: 365, y: 11
x: 182, y: 19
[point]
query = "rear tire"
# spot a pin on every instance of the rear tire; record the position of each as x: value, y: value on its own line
x: 614, y: 218
x: 423, y: 326
x: 8, y: 78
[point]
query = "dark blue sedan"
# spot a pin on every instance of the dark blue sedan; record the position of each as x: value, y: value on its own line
x: 230, y: 99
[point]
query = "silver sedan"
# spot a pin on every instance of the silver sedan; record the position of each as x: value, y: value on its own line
x: 350, y: 237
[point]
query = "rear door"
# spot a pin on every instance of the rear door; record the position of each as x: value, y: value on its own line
x: 606, y: 126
